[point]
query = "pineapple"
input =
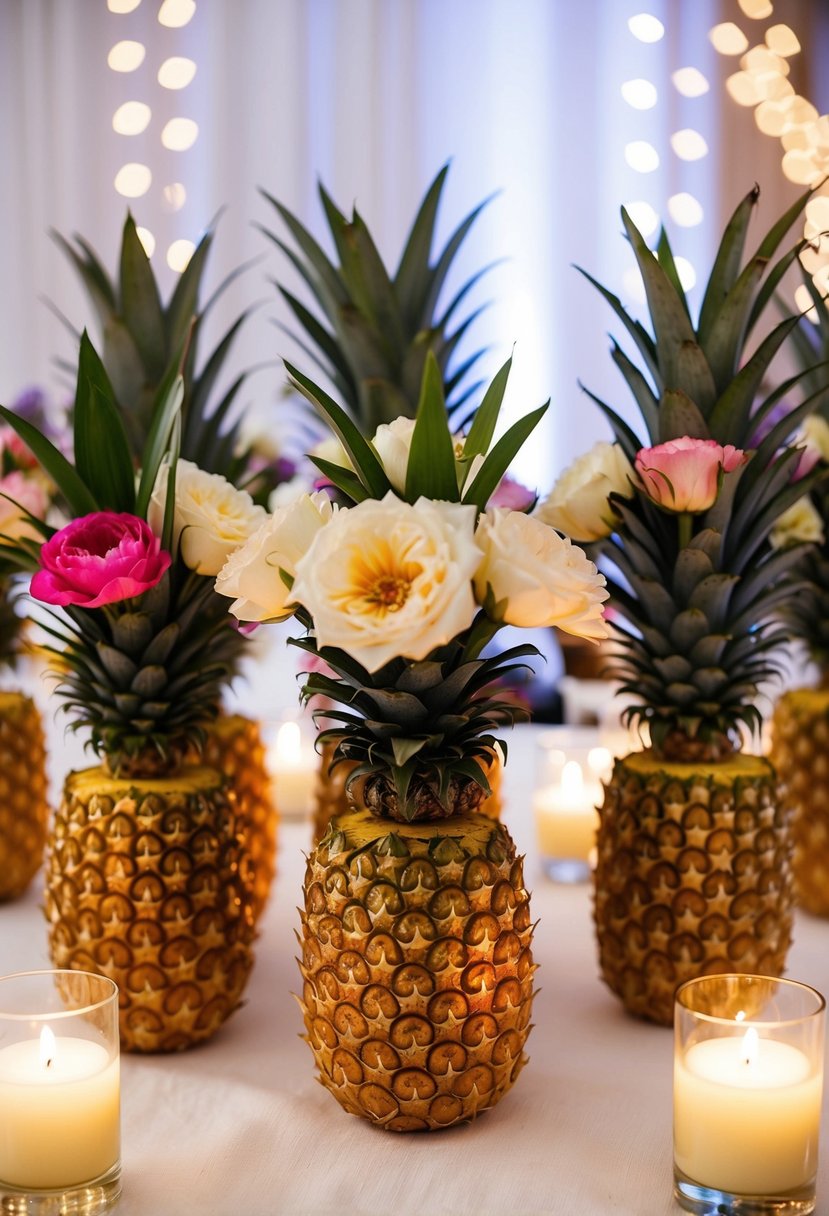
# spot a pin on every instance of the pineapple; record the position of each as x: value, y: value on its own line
x: 142, y: 341
x: 800, y: 725
x: 693, y: 870
x: 24, y: 810
x: 377, y: 331
x: 233, y: 746
x: 417, y: 967
x: 416, y: 930
x: 149, y: 878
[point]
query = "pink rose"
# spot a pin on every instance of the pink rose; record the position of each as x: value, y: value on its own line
x: 684, y: 474
x: 99, y: 559
x: 21, y: 453
x: 28, y: 495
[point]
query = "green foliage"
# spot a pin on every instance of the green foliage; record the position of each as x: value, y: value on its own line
x: 375, y: 330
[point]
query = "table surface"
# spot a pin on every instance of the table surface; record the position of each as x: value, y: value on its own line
x: 241, y: 1126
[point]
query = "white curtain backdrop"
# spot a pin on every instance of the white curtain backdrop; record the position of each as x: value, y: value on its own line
x: 371, y: 97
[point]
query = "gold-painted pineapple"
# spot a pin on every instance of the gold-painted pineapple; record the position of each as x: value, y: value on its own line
x: 149, y: 878
x: 693, y: 871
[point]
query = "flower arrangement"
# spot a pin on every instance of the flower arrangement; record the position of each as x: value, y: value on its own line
x: 407, y: 583
x: 685, y: 523
x: 130, y: 574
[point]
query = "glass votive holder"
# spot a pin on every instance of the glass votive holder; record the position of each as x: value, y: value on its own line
x: 748, y: 1080
x: 570, y: 766
x: 292, y: 762
x: 60, y: 1149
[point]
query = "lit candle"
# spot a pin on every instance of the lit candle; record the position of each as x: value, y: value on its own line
x: 565, y: 815
x: 747, y: 1090
x: 746, y: 1115
x: 59, y: 1111
x: 294, y: 766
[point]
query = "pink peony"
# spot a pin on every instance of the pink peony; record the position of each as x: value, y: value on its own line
x: 99, y: 559
x: 27, y: 495
x: 684, y: 474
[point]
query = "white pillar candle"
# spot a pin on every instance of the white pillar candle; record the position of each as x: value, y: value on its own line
x: 746, y: 1115
x: 59, y: 1112
x: 293, y: 766
x: 565, y: 815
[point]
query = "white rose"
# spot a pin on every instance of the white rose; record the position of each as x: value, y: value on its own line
x: 251, y: 575
x: 815, y: 434
x: 212, y: 517
x: 287, y: 492
x: 392, y: 442
x: 577, y: 504
x: 387, y: 578
x: 801, y: 522
x: 539, y: 577
x: 332, y: 450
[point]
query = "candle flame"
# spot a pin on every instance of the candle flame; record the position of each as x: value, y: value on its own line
x: 741, y: 1016
x: 750, y: 1046
x: 288, y: 739
x: 572, y: 778
x: 47, y: 1047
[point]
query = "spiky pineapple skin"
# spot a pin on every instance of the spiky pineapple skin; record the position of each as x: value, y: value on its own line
x: 693, y: 877
x: 24, y: 810
x: 233, y: 746
x: 417, y: 968
x: 800, y: 753
x: 146, y: 884
x: 332, y: 800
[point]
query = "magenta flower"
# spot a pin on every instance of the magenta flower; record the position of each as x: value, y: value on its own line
x: 684, y: 474
x: 99, y: 559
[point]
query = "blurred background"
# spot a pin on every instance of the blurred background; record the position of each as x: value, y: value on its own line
x: 178, y: 110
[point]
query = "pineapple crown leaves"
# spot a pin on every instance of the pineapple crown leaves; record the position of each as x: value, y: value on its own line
x: 432, y: 468
x: 143, y: 341
x: 433, y: 719
x: 378, y: 328
x: 699, y: 595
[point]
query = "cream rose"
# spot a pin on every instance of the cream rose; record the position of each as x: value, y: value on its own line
x: 538, y: 577
x: 212, y: 517
x: 392, y: 442
x: 251, y: 575
x: 388, y: 578
x: 815, y: 434
x: 801, y: 522
x: 578, y: 502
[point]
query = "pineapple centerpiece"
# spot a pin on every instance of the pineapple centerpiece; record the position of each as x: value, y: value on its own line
x: 370, y: 335
x: 416, y: 927
x: 800, y: 725
x: 24, y: 809
x: 144, y: 343
x: 693, y: 873
x: 148, y: 872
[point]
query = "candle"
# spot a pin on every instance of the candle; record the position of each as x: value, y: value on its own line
x: 748, y: 1081
x: 60, y: 1098
x: 294, y: 767
x: 565, y: 815
x: 746, y: 1115
x: 59, y: 1093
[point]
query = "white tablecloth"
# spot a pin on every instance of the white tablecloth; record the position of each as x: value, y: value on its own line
x: 240, y: 1127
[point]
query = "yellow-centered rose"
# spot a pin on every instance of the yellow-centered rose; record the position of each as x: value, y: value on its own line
x: 212, y: 518
x: 251, y: 576
x: 388, y: 578
x: 538, y: 577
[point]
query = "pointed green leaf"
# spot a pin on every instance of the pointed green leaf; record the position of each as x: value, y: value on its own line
x: 644, y: 342
x: 184, y: 302
x: 486, y: 416
x: 362, y: 456
x: 642, y: 391
x: 413, y: 275
x: 671, y: 325
x: 167, y: 410
x: 63, y: 474
x: 726, y: 264
x: 430, y: 472
x: 501, y: 457
x: 140, y: 303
